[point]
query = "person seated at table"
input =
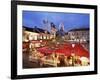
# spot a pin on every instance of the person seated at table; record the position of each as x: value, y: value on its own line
x: 74, y: 59
x: 77, y: 61
x: 61, y: 59
x: 66, y: 61
x: 69, y: 60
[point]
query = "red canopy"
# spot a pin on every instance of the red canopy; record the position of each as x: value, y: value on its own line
x: 66, y: 49
x: 81, y: 51
x: 45, y: 50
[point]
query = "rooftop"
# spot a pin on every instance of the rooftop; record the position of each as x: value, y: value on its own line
x: 80, y: 29
x: 35, y: 29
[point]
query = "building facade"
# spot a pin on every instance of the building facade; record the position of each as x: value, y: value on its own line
x: 78, y: 35
x: 30, y: 34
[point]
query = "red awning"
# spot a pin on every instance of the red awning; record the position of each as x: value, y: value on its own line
x: 81, y: 51
x: 67, y: 50
x: 45, y: 50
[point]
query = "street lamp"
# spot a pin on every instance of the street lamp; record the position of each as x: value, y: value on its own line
x: 73, y: 45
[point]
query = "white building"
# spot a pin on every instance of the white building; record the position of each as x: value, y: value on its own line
x: 35, y: 34
x: 78, y: 35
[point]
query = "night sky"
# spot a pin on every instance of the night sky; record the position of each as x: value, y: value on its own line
x: 70, y: 20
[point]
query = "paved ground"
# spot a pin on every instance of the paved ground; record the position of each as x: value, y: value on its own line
x: 27, y: 63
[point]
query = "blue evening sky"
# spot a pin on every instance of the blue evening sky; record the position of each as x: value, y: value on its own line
x: 70, y: 20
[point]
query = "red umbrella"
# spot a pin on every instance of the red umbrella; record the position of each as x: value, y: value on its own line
x: 80, y: 50
x: 64, y: 51
x: 45, y: 50
x: 68, y: 49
